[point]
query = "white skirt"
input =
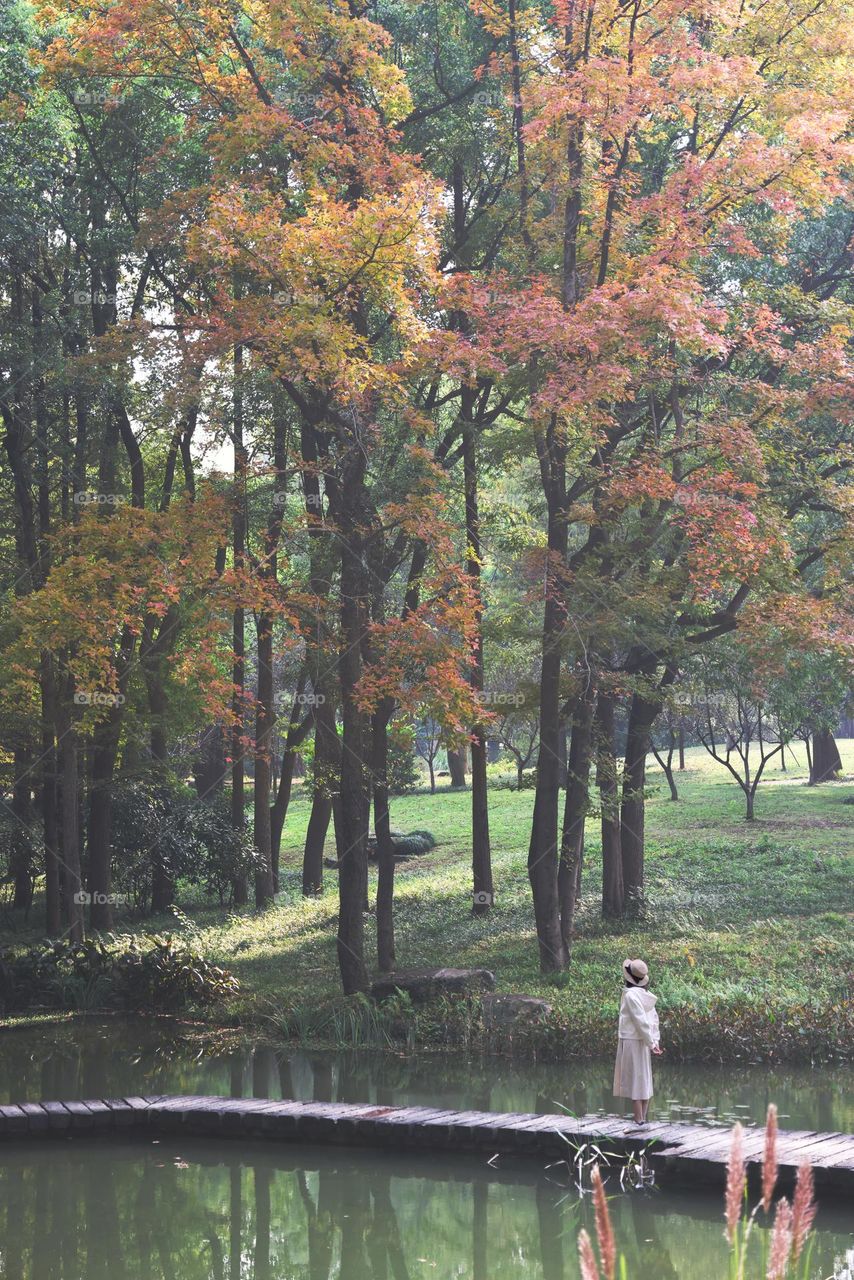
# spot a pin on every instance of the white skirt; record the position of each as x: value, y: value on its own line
x: 633, y: 1070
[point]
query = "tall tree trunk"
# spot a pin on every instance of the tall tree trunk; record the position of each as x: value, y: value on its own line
x: 264, y: 721
x: 99, y: 835
x: 613, y: 893
x: 575, y: 811
x: 826, y: 760
x: 482, y: 886
x: 49, y: 798
x: 162, y: 872
x: 327, y: 747
x: 352, y: 506
x: 238, y: 676
x: 67, y: 740
x: 105, y: 748
x: 298, y: 727
x: 642, y: 714
x: 382, y: 830
x: 543, y: 848
x: 681, y: 746
x: 279, y: 811
x: 327, y: 762
x: 209, y: 766
x: 22, y: 809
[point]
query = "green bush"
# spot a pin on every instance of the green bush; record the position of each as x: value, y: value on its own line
x: 155, y: 972
x: 193, y: 840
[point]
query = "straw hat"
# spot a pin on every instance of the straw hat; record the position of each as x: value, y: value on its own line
x: 635, y: 973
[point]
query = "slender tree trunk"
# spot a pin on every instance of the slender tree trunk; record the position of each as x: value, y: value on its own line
x: 382, y: 830
x: 543, y: 848
x: 105, y: 748
x: 264, y: 721
x: 209, y: 766
x: 162, y: 872
x: 22, y: 809
x: 67, y: 741
x: 49, y: 798
x: 642, y: 714
x: 238, y: 676
x: 99, y: 842
x: 353, y: 827
x: 279, y: 811
x: 681, y: 746
x: 327, y: 760
x: 575, y: 812
x: 482, y: 886
x: 297, y: 731
x: 327, y: 747
x: 613, y: 892
x: 666, y: 764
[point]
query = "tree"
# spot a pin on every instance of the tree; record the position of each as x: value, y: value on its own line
x: 735, y: 721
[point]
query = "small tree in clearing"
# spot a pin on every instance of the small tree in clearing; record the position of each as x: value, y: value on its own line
x: 517, y: 726
x: 666, y: 739
x: 428, y: 741
x: 737, y: 720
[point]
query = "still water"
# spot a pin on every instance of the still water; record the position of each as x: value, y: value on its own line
x: 205, y: 1210
x: 116, y: 1057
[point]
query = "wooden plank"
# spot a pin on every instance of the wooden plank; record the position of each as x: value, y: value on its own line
x: 59, y: 1118
x: 836, y: 1151
x: 37, y: 1117
x: 81, y: 1116
x: 123, y: 1115
x: 13, y: 1120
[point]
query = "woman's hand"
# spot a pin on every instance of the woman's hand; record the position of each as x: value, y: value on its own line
x: 657, y: 1050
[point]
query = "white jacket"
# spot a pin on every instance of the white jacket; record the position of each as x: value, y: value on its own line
x: 638, y: 1018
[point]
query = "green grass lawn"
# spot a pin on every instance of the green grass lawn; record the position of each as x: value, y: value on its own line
x: 749, y: 930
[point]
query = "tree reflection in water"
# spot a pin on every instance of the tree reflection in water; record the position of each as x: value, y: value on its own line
x: 112, y: 1210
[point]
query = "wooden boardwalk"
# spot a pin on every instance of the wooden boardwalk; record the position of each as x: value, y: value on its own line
x: 687, y: 1153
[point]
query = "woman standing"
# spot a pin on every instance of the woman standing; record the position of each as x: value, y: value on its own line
x: 638, y: 1032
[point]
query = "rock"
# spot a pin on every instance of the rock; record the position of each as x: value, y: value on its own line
x: 411, y: 845
x: 425, y: 984
x: 510, y: 1012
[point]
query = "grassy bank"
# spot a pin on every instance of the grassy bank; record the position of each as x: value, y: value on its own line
x: 749, y: 932
x: 750, y: 929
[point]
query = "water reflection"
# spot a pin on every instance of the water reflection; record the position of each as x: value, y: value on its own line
x: 97, y: 1210
x: 114, y: 1058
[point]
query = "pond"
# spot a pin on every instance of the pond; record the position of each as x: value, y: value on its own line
x: 149, y: 1210
x: 114, y: 1057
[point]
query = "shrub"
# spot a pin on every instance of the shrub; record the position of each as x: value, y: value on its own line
x: 153, y: 971
x: 194, y: 840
